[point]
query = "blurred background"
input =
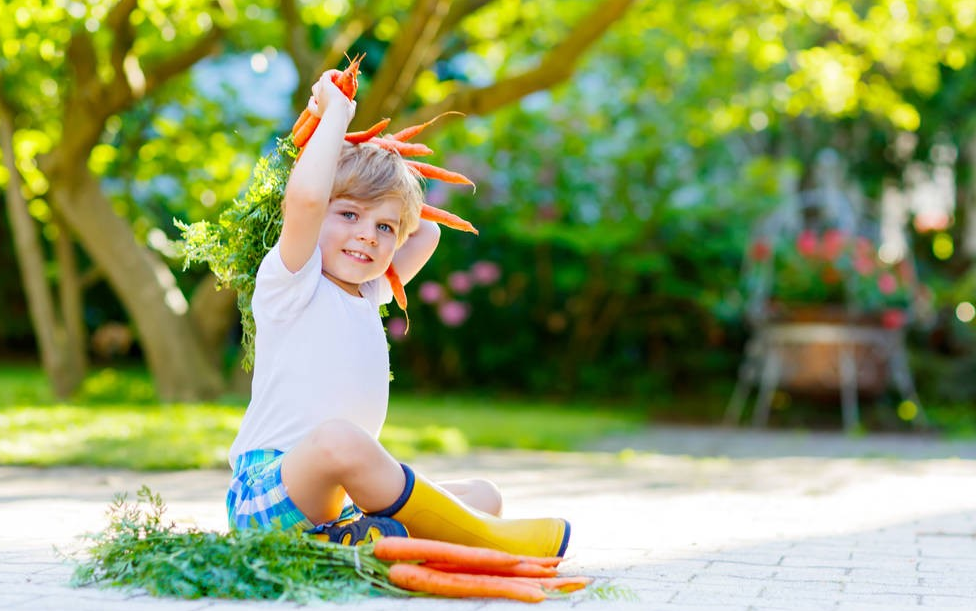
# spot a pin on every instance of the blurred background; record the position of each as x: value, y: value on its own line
x: 630, y: 157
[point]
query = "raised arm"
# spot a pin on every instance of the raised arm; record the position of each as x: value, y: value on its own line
x: 416, y: 251
x: 310, y: 184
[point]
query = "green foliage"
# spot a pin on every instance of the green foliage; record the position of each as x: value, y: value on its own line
x: 830, y: 267
x: 118, y: 427
x: 234, y: 246
x: 138, y: 549
x: 618, y: 206
x: 112, y: 386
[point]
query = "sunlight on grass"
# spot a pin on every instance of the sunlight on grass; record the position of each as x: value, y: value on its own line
x: 137, y: 437
x: 115, y: 422
x: 510, y: 423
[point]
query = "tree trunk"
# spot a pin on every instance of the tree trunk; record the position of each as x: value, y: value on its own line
x: 62, y: 359
x: 213, y: 311
x: 144, y: 284
x: 72, y: 301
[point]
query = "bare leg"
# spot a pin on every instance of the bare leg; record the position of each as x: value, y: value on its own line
x: 479, y: 494
x: 335, y: 458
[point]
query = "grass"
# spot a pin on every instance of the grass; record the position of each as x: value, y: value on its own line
x: 116, y: 422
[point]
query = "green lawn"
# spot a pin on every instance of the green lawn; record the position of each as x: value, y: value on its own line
x: 115, y: 422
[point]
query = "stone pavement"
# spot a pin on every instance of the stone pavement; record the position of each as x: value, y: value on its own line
x: 685, y: 519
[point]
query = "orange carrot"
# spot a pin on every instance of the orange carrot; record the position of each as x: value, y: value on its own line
x: 409, y: 132
x: 347, y: 80
x: 560, y: 584
x: 306, y: 130
x: 432, y: 171
x: 542, y: 560
x: 422, y: 579
x: 447, y: 219
x: 522, y: 569
x: 306, y: 113
x: 363, y: 136
x: 406, y: 149
x: 398, y: 292
x: 414, y: 549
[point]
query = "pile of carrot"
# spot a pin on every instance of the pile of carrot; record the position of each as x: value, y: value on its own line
x: 347, y: 81
x: 461, y: 571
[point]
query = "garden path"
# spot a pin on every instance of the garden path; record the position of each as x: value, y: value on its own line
x: 688, y: 519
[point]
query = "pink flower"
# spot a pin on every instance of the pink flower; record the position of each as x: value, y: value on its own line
x: 485, y: 272
x: 397, y: 328
x: 806, y: 243
x: 460, y: 282
x: 833, y: 243
x: 453, y: 313
x: 887, y: 283
x: 863, y: 265
x: 431, y: 292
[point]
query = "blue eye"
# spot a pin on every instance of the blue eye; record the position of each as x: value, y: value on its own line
x: 349, y: 215
x: 384, y: 227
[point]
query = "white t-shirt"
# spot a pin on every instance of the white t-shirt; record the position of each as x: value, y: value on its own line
x: 320, y: 354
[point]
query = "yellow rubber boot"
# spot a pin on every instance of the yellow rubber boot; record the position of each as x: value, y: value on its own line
x: 430, y: 512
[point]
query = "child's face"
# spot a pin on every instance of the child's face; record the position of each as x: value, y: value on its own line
x: 358, y: 239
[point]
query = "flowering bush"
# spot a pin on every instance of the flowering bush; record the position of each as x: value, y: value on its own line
x: 833, y: 268
x: 447, y: 299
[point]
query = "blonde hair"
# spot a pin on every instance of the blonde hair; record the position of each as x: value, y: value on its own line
x: 366, y: 172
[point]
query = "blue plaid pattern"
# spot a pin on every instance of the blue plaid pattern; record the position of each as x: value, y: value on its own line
x: 257, y: 497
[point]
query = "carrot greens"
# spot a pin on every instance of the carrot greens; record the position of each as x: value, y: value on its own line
x: 138, y: 549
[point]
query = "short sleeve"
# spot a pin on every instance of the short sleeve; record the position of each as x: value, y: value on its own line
x: 377, y: 291
x: 281, y: 294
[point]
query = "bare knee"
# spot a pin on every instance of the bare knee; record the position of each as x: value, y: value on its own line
x: 481, y: 494
x: 491, y: 496
x: 339, y: 446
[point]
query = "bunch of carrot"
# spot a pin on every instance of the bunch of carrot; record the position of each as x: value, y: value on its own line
x: 347, y: 81
x: 461, y: 571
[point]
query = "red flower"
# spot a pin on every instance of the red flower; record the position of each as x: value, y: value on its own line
x: 863, y: 265
x: 893, y: 319
x: 834, y: 241
x: 906, y: 272
x: 864, y: 247
x: 806, y: 243
x: 760, y: 250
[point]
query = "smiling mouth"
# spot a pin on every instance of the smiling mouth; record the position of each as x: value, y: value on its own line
x: 355, y: 254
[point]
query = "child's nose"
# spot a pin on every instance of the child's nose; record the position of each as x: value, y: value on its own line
x: 368, y: 235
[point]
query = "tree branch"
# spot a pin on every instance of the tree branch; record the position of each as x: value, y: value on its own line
x: 119, y: 23
x: 460, y: 10
x: 172, y: 66
x: 340, y: 43
x: 555, y: 67
x: 92, y: 102
x: 413, y: 49
x: 296, y: 43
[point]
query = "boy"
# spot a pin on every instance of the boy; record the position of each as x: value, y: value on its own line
x: 308, y: 440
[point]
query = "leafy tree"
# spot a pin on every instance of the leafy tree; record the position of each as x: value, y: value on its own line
x: 76, y: 75
x: 619, y: 205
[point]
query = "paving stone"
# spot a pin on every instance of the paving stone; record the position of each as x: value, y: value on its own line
x: 770, y: 521
x: 933, y: 601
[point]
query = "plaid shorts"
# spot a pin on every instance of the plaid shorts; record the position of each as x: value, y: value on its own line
x: 257, y: 497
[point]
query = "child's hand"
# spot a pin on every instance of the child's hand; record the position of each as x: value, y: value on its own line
x: 326, y: 95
